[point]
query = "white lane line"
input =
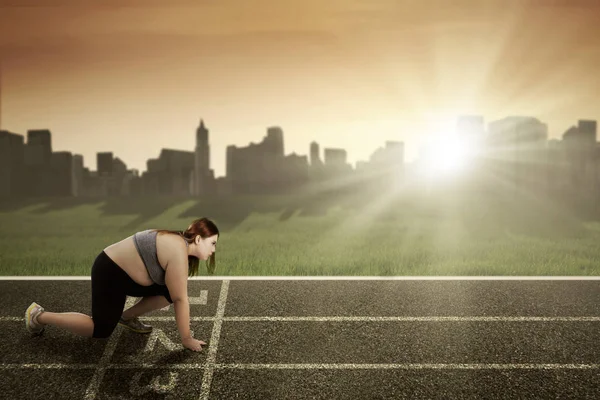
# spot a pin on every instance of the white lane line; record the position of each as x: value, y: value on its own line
x: 47, y: 366
x: 214, y: 342
x: 158, y: 366
x: 413, y: 319
x: 45, y: 278
x: 159, y: 319
x: 92, y: 389
x: 303, y: 366
x: 407, y: 366
x: 108, y: 366
x: 202, y: 299
x: 364, y: 319
x: 332, y: 278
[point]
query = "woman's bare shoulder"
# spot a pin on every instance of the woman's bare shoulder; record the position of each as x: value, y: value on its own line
x: 170, y: 245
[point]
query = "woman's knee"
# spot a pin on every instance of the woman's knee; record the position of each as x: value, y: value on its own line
x: 103, y: 330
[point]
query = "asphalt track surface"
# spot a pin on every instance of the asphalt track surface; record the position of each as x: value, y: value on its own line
x: 318, y: 339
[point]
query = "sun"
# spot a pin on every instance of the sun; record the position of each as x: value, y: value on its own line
x: 448, y: 154
x: 451, y: 155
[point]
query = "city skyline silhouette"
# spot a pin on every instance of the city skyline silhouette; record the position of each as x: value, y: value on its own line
x: 447, y: 135
x: 510, y: 155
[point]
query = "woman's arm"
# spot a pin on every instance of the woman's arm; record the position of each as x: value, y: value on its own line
x: 176, y: 281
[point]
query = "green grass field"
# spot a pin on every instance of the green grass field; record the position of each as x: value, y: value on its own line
x: 359, y: 235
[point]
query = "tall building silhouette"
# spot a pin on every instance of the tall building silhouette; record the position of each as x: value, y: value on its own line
x: 315, y: 159
x: 580, y: 155
x: 263, y: 167
x: 170, y: 174
x: 517, y: 152
x: 12, y: 151
x: 335, y: 158
x: 37, y: 161
x: 201, y: 161
x: 0, y: 93
x: 587, y: 129
x: 104, y: 163
x: 273, y: 143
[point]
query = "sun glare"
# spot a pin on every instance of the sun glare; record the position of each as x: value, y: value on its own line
x: 447, y: 155
x: 452, y: 156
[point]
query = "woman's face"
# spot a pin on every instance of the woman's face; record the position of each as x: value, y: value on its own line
x: 206, y: 246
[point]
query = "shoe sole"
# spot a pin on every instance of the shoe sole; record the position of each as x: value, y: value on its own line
x: 135, y: 330
x: 27, y: 319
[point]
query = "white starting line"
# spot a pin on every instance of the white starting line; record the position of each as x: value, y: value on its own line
x: 207, y: 365
x: 361, y: 319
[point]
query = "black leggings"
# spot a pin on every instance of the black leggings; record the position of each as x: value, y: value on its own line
x: 110, y: 288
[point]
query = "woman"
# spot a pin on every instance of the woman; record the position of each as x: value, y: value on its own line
x: 152, y: 264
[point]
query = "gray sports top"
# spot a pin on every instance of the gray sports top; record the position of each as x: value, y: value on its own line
x: 145, y: 243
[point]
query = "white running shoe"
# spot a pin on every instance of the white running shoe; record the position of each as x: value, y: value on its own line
x: 31, y: 323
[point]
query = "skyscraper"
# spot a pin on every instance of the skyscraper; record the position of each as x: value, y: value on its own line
x: 0, y: 94
x: 588, y: 131
x: 274, y: 141
x: 202, y: 160
x: 315, y: 159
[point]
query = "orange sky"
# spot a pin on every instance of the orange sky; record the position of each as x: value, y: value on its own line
x: 135, y: 76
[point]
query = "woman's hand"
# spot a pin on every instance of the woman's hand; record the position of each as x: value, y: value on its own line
x: 193, y: 344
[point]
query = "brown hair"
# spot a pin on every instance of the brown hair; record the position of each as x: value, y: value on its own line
x: 205, y: 228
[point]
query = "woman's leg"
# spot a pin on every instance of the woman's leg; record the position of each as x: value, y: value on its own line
x: 105, y: 309
x: 146, y: 305
x: 154, y: 297
x: 77, y: 323
x: 108, y: 299
x: 108, y: 295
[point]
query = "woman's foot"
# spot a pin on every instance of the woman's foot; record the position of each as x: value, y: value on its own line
x: 31, y: 322
x: 135, y: 325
